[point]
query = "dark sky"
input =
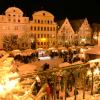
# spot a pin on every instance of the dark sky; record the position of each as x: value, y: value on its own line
x: 72, y: 9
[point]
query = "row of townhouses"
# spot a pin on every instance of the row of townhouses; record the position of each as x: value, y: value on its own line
x: 43, y: 30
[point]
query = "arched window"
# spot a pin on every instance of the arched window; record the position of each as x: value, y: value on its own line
x: 43, y: 14
x: 41, y: 21
x: 18, y: 20
x: 14, y: 20
x: 50, y: 28
x: 48, y: 21
x: 41, y: 28
x: 31, y: 28
x: 38, y: 21
x: 47, y: 28
x: 35, y: 20
x: 34, y: 28
x: 44, y: 28
x: 9, y: 20
x: 38, y: 28
x: 53, y: 28
x: 8, y: 14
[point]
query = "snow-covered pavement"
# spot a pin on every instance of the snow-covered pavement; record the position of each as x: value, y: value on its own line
x: 88, y: 96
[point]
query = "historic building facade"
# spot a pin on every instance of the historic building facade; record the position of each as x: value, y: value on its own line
x: 84, y: 33
x: 13, y: 22
x: 66, y: 34
x: 44, y: 29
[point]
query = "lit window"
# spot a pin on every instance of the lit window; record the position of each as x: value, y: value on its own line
x: 47, y: 28
x: 9, y: 20
x: 41, y: 28
x: 35, y: 20
x: 53, y: 28
x: 38, y: 28
x: 34, y: 28
x: 38, y: 43
x: 18, y: 20
x: 44, y: 35
x: 31, y: 28
x: 41, y: 43
x: 14, y: 20
x: 50, y: 28
x: 47, y: 35
x: 38, y: 21
x: 43, y: 14
x: 48, y: 21
x: 38, y: 35
x: 41, y: 35
x: 44, y: 28
x: 41, y: 21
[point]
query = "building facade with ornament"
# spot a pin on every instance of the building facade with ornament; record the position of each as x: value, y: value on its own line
x: 66, y: 34
x: 74, y: 32
x: 13, y: 23
x: 42, y: 30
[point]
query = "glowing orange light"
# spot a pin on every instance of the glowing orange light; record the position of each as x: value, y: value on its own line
x: 43, y: 39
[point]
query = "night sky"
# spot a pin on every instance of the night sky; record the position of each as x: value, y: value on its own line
x: 72, y: 9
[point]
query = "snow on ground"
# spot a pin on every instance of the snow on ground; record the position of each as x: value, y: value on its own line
x: 88, y: 96
x: 36, y: 65
x: 26, y: 69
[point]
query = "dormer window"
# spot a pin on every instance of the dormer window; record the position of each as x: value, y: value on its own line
x: 43, y: 14
x: 14, y: 20
x: 18, y: 20
x: 14, y: 15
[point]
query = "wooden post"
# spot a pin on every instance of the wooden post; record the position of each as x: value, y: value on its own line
x: 65, y: 87
x: 92, y: 82
x: 54, y: 90
x: 83, y: 85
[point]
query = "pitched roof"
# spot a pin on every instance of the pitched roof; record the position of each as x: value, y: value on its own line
x: 60, y: 22
x: 95, y: 27
x: 76, y: 24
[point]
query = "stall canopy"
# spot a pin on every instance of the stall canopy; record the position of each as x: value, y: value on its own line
x: 65, y: 64
x: 62, y: 48
x: 15, y: 52
x: 95, y: 50
x: 26, y: 69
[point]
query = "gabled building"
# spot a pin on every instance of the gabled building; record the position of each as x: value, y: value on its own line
x: 44, y: 29
x: 65, y: 35
x: 96, y: 33
x: 13, y: 22
x: 82, y: 30
x: 85, y: 33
